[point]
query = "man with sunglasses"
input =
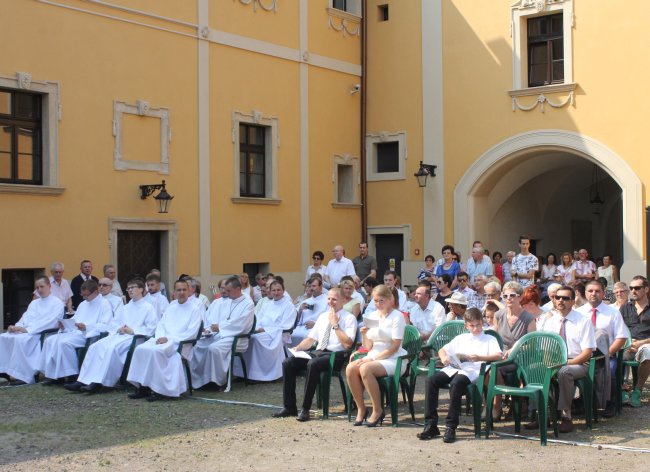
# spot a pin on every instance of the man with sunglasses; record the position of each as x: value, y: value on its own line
x: 578, y: 333
x: 636, y: 314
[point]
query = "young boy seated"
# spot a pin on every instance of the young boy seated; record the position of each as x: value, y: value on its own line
x: 462, y: 358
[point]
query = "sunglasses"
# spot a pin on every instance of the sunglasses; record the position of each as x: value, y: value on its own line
x: 509, y: 295
x: 562, y: 297
x: 640, y: 287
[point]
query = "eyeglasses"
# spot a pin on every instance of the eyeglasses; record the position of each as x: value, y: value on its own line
x: 316, y: 258
x: 639, y: 287
x: 510, y: 295
x: 462, y: 280
x: 132, y: 288
x: 562, y: 297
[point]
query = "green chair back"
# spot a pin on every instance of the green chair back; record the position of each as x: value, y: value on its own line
x: 535, y: 352
x: 444, y: 333
x: 411, y: 342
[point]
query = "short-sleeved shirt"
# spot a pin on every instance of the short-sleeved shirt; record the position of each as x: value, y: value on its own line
x: 578, y: 330
x: 638, y: 324
x: 347, y: 323
x: 452, y: 271
x: 363, y: 266
x: 476, y: 300
x: 524, y: 264
x: 337, y: 269
x: 608, y: 318
x: 481, y: 268
x: 584, y: 268
x: 468, y: 344
x: 428, y: 319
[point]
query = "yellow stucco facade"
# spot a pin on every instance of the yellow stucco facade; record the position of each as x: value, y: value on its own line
x: 139, y: 91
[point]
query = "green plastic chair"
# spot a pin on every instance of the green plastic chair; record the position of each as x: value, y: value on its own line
x: 235, y: 353
x: 586, y: 386
x: 620, y: 372
x: 135, y: 341
x: 440, y: 336
x: 538, y: 356
x: 390, y: 384
x: 186, y: 365
x: 81, y: 351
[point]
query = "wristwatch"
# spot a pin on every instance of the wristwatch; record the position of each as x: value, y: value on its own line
x: 335, y: 327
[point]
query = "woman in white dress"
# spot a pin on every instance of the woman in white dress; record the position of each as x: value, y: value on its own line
x: 565, y: 269
x: 608, y: 271
x: 382, y: 335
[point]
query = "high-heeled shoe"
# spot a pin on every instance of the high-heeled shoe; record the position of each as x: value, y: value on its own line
x: 360, y: 423
x: 378, y: 422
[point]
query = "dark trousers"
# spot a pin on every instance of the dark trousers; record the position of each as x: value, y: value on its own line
x: 457, y: 387
x: 292, y: 366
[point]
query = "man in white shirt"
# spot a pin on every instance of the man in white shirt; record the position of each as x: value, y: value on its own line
x: 227, y: 317
x: 334, y: 331
x: 584, y: 270
x: 463, y: 284
x: 611, y: 334
x: 155, y: 297
x: 60, y: 286
x: 427, y: 314
x: 479, y: 263
x: 156, y: 365
x: 339, y: 266
x: 390, y: 279
x: 578, y: 333
x: 20, y: 346
x: 309, y: 310
x: 111, y: 273
x: 525, y: 264
x: 59, y: 356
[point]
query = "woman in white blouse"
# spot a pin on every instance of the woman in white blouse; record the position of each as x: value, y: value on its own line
x: 382, y: 335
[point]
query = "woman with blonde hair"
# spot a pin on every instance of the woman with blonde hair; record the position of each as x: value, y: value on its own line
x: 351, y: 305
x: 382, y: 335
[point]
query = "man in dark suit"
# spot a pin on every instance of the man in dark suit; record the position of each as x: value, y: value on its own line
x: 86, y: 270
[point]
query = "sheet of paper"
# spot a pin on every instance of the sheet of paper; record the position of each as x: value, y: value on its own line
x: 370, y: 322
x: 299, y: 354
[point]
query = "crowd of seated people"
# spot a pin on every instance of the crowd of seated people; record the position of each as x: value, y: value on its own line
x: 587, y: 305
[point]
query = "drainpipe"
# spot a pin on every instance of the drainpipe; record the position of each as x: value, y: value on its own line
x: 362, y: 140
x: 647, y: 241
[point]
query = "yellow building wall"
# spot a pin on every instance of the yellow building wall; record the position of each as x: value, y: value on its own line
x: 610, y: 57
x: 96, y: 61
x: 395, y: 104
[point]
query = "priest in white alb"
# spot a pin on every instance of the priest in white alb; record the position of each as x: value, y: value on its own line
x: 93, y: 316
x: 227, y: 317
x: 20, y: 346
x: 156, y: 365
x: 266, y: 348
x: 105, y: 290
x: 104, y: 362
x: 155, y: 297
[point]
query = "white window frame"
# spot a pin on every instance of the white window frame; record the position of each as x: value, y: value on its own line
x: 271, y: 155
x: 520, y: 12
x: 371, y: 155
x: 352, y: 161
x: 140, y: 108
x: 354, y: 7
x: 51, y: 115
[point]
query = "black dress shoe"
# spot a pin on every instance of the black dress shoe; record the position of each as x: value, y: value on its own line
x: 285, y: 413
x: 141, y: 392
x: 303, y: 416
x: 73, y: 386
x: 92, y: 388
x: 154, y: 397
x: 610, y: 410
x: 430, y: 431
x: 450, y: 435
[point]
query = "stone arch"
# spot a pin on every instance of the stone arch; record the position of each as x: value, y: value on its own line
x: 471, y: 206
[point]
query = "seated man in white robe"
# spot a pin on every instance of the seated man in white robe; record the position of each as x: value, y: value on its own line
x: 93, y: 316
x: 156, y: 365
x: 266, y: 297
x: 155, y: 297
x: 105, y: 289
x: 309, y: 310
x: 266, y: 348
x: 20, y: 346
x: 105, y: 359
x: 227, y: 317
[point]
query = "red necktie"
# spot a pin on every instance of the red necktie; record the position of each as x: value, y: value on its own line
x: 593, y: 316
x: 563, y: 329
